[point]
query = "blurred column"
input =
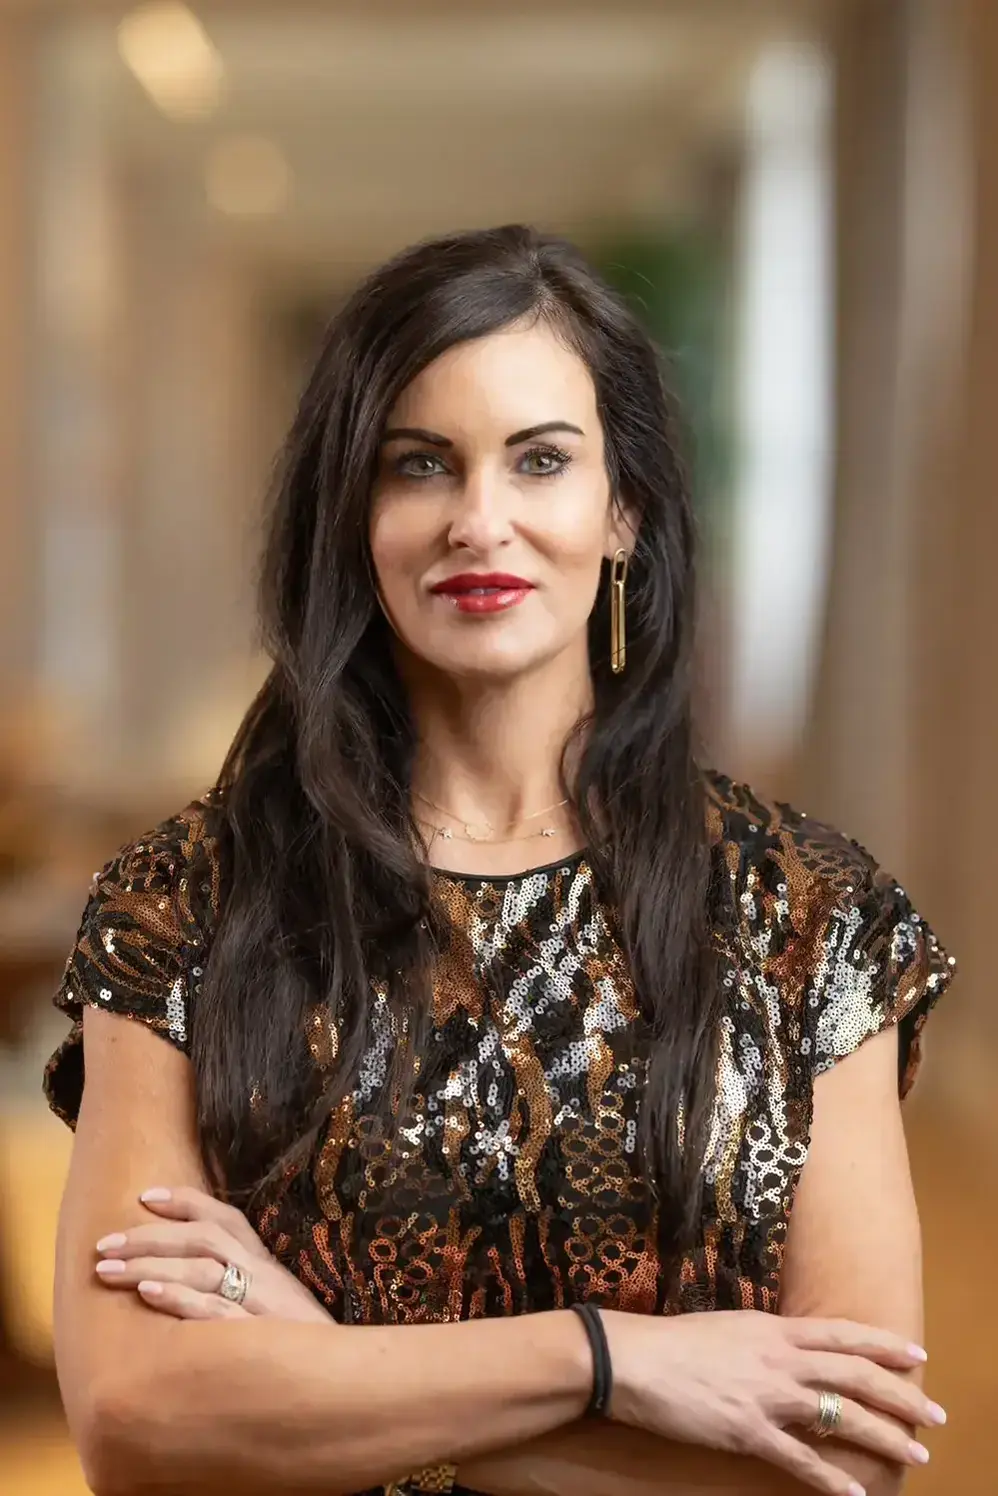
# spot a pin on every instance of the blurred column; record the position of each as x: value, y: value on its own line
x: 905, y: 730
x: 192, y: 533
x: 149, y: 463
x: 81, y: 410
x: 783, y: 407
x: 902, y: 250
x: 16, y: 532
x: 957, y: 731
x: 855, y: 764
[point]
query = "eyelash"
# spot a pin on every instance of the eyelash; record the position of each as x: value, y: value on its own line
x: 563, y: 458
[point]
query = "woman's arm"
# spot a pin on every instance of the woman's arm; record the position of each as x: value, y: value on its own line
x: 854, y: 1247
x: 194, y: 1405
x: 155, y: 1403
x: 853, y: 1252
x: 590, y: 1459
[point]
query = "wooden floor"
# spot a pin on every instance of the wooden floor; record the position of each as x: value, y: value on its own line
x: 956, y: 1181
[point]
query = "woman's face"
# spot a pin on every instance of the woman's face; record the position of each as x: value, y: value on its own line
x: 491, y: 510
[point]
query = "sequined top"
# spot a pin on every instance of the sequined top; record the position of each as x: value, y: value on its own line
x: 519, y: 1187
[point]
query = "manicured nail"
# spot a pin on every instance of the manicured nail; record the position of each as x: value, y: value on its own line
x: 156, y: 1196
x: 151, y: 1290
x: 918, y: 1452
x: 918, y: 1353
x: 856, y: 1490
x: 936, y: 1413
x: 108, y: 1243
x: 110, y: 1266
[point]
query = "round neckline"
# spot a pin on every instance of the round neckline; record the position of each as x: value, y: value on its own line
x: 570, y: 863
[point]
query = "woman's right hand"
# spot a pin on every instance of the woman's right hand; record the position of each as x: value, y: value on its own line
x: 739, y: 1380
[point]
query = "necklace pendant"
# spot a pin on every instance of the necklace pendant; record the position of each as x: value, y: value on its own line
x: 445, y: 833
x: 547, y: 831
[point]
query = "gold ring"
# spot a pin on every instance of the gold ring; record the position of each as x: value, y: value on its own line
x: 829, y: 1414
x: 234, y: 1285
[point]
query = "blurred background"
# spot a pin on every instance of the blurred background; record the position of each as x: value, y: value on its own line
x: 801, y: 197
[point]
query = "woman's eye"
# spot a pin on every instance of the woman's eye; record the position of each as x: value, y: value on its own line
x: 544, y: 462
x: 538, y: 462
x: 418, y: 465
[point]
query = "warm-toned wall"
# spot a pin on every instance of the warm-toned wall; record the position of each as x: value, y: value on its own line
x: 958, y: 728
x: 853, y: 769
x: 15, y: 542
x: 904, y: 734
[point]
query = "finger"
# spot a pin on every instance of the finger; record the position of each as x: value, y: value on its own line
x: 181, y: 1302
x: 849, y: 1338
x: 175, y: 1239
x: 859, y: 1427
x: 806, y: 1464
x: 203, y: 1274
x: 188, y: 1204
x: 866, y: 1430
x: 873, y: 1385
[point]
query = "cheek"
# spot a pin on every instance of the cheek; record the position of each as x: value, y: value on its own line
x: 573, y: 531
x: 397, y: 541
x: 573, y: 576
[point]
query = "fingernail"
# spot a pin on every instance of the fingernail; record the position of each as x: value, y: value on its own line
x: 156, y: 1196
x: 109, y: 1267
x: 918, y: 1353
x: 936, y: 1413
x: 919, y: 1453
x: 151, y: 1289
x: 856, y: 1490
x: 107, y: 1243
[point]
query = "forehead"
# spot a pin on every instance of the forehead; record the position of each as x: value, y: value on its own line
x: 512, y: 379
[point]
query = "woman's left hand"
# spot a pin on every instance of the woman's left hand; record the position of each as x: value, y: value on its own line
x: 176, y: 1263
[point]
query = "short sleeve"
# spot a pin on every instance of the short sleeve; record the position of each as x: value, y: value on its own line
x: 140, y: 949
x: 879, y: 963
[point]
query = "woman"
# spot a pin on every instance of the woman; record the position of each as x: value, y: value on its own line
x: 483, y: 1001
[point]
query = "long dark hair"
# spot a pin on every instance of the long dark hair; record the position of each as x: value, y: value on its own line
x: 327, y: 897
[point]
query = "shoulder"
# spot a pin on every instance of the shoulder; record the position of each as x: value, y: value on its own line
x: 797, y: 875
x: 810, y: 921
x: 758, y: 838
x: 189, y: 838
x: 144, y: 936
x: 169, y: 881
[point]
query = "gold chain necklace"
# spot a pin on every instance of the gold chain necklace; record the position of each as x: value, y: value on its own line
x: 472, y: 831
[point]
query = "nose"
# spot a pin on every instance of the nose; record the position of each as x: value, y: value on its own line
x: 482, y: 517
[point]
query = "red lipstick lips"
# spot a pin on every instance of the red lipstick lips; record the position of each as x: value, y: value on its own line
x: 483, y: 592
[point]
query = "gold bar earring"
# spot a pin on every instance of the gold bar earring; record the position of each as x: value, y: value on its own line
x: 618, y: 626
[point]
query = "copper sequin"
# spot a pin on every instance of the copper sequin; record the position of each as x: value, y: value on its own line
x: 518, y: 1184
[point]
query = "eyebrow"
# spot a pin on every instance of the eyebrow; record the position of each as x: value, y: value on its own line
x: 434, y: 439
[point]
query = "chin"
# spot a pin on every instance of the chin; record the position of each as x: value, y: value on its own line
x: 489, y: 661
x: 488, y: 671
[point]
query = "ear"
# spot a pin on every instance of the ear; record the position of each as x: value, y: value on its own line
x: 622, y: 529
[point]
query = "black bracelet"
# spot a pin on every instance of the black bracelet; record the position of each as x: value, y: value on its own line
x: 599, y: 1399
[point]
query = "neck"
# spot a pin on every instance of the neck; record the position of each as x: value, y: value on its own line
x: 492, y: 752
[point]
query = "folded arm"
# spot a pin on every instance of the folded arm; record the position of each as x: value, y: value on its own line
x: 159, y: 1403
x: 853, y: 1253
x: 261, y: 1405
